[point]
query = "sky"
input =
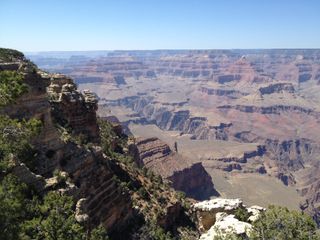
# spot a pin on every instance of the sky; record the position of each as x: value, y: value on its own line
x: 71, y: 25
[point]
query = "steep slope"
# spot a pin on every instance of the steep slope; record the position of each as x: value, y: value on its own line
x: 186, y: 176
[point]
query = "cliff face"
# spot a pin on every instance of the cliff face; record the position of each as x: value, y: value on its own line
x: 277, y: 88
x: 194, y: 181
x: 104, y: 200
x: 190, y: 178
x: 72, y: 108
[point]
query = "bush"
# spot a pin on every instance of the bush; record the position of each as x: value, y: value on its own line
x: 151, y: 231
x: 242, y: 214
x: 11, y: 87
x: 99, y: 233
x: 280, y: 223
x: 143, y: 193
x: 15, y: 139
x: 12, y: 207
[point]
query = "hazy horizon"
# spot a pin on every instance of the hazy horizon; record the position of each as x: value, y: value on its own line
x: 174, y: 49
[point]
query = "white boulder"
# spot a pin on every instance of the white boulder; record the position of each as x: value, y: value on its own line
x: 226, y: 224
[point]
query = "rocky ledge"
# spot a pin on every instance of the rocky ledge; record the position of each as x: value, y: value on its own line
x: 277, y: 88
x: 218, y: 217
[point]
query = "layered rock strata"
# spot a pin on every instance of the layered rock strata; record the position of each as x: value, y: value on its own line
x: 185, y: 176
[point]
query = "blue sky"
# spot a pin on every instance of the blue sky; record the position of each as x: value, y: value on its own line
x: 39, y: 25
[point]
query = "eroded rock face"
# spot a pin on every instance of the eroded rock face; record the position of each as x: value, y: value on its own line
x: 89, y: 171
x: 277, y: 88
x: 230, y: 93
x: 105, y: 202
x: 276, y: 109
x: 70, y: 107
x: 28, y: 177
x: 185, y: 176
x: 167, y: 119
x: 194, y: 181
x: 238, y: 163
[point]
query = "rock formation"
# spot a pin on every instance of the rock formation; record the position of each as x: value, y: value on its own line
x: 73, y: 108
x: 190, y: 178
x: 217, y: 217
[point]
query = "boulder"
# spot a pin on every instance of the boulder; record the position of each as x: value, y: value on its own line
x: 227, y: 224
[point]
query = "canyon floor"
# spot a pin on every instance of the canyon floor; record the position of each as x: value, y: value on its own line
x: 251, y: 188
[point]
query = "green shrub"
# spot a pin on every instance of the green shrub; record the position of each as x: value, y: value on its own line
x: 242, y: 214
x: 99, y: 233
x: 12, y: 207
x: 151, y: 231
x: 15, y: 139
x: 11, y: 87
x: 56, y: 220
x: 280, y: 223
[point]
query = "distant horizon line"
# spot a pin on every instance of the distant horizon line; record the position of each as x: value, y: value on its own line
x: 168, y: 49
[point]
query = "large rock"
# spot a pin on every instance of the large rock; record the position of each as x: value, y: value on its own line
x: 207, y: 210
x: 227, y: 224
x: 218, y: 217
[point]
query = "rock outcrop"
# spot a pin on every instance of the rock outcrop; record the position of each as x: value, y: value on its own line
x: 227, y: 224
x: 230, y: 93
x: 276, y: 109
x: 277, y: 88
x: 231, y: 163
x: 72, y: 108
x: 217, y: 217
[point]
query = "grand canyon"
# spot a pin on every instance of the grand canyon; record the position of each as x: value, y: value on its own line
x: 228, y: 123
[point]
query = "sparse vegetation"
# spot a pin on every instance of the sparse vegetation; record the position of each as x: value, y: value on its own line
x: 24, y: 215
x: 152, y: 231
x: 110, y: 141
